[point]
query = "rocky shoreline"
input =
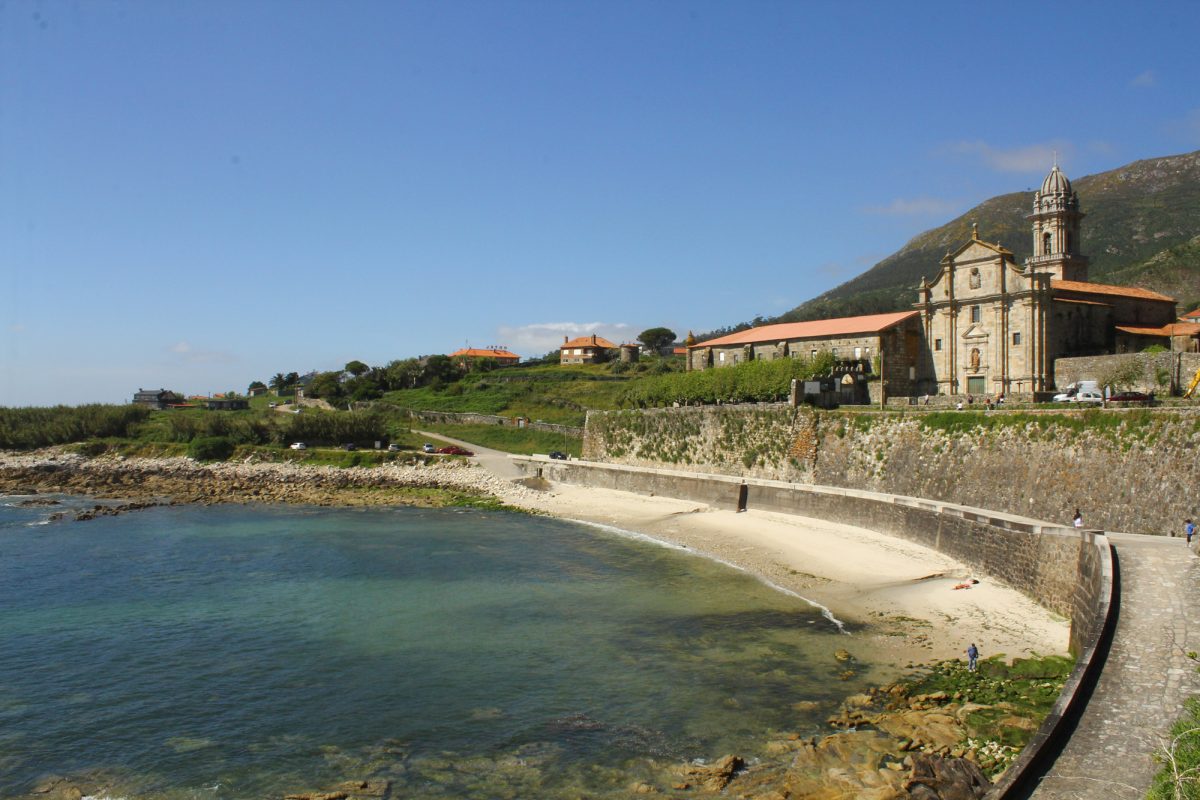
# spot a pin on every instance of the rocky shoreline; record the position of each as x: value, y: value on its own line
x: 889, y: 744
x: 168, y: 481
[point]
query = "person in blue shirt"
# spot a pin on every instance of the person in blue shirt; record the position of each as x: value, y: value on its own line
x: 972, y: 656
x: 1189, y: 528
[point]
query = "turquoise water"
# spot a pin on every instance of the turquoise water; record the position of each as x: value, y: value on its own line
x: 237, y: 652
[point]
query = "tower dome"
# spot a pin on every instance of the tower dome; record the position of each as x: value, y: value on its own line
x: 1056, y: 182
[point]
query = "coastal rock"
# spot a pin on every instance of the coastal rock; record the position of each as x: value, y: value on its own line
x: 937, y: 778
x: 715, y: 776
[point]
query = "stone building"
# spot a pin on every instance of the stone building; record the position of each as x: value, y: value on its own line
x: 995, y: 327
x: 867, y: 347
x: 985, y: 325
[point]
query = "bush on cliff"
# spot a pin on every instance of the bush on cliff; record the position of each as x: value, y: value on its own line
x: 211, y: 448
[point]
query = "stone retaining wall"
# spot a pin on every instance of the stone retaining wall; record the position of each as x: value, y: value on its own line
x: 1067, y: 571
x: 1158, y: 372
x: 1129, y: 470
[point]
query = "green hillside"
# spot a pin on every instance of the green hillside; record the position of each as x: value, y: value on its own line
x: 1140, y: 230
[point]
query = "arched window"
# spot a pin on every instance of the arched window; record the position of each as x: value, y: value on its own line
x: 1047, y: 244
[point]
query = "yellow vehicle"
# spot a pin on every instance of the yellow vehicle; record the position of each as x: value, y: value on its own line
x: 1192, y: 386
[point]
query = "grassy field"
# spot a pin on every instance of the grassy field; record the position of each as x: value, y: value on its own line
x: 551, y: 393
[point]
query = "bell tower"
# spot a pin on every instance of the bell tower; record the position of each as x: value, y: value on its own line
x: 1055, y: 221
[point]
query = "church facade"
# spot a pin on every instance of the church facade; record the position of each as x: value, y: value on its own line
x: 992, y: 326
x: 985, y: 325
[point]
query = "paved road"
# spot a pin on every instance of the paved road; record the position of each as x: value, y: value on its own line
x: 1144, y: 682
x: 496, y: 462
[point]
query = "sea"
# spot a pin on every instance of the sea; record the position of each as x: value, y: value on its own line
x: 256, y: 651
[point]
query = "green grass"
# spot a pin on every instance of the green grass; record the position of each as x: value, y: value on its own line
x: 510, y: 439
x: 1180, y: 773
x: 551, y: 393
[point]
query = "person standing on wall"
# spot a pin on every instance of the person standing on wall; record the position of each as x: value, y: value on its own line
x: 1078, y: 520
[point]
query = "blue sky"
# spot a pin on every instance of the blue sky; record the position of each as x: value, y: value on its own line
x: 200, y: 194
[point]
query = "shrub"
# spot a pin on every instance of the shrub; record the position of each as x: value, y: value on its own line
x: 211, y: 448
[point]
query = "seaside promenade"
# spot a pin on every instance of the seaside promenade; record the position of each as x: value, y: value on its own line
x: 1145, y: 680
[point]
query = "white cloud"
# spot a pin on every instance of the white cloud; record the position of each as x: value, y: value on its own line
x: 1145, y: 79
x: 189, y: 355
x: 542, y: 337
x: 1030, y: 158
x: 16, y: 328
x: 914, y: 207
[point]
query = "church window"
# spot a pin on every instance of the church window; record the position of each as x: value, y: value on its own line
x: 1070, y: 243
x: 858, y: 352
x: 813, y: 354
x: 975, y: 280
x: 1016, y: 337
x: 937, y: 344
x: 976, y: 314
x: 1047, y: 244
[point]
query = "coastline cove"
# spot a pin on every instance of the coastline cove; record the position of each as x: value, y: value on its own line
x: 247, y: 651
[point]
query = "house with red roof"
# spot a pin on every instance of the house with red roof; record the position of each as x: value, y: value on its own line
x: 584, y: 350
x: 464, y: 356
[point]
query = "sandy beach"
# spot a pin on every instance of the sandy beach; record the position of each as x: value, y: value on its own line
x: 898, y: 599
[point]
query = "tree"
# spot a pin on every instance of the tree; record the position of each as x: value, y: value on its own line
x: 291, y: 379
x: 657, y: 338
x: 356, y: 368
x: 279, y: 381
x: 255, y: 385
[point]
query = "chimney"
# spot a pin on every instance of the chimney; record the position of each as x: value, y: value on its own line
x: 565, y: 340
x: 593, y: 339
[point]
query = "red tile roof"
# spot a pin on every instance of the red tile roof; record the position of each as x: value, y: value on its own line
x: 476, y: 352
x: 1140, y: 331
x: 1192, y: 314
x: 1101, y: 288
x: 588, y: 341
x: 815, y: 329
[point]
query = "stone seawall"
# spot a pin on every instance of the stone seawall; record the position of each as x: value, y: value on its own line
x: 1128, y: 470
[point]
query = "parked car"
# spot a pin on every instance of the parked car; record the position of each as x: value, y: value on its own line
x: 427, y: 447
x: 559, y: 454
x: 299, y: 446
x: 1088, y: 397
x: 349, y: 446
x: 454, y: 450
x: 393, y: 448
x: 1132, y: 398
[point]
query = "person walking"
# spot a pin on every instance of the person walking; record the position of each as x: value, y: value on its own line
x: 1189, y: 528
x: 1078, y: 520
x: 972, y: 657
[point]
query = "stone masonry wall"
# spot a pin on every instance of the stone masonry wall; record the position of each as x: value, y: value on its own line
x: 1130, y: 470
x: 1160, y: 372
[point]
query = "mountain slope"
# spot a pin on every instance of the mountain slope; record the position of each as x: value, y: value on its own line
x: 1140, y: 229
